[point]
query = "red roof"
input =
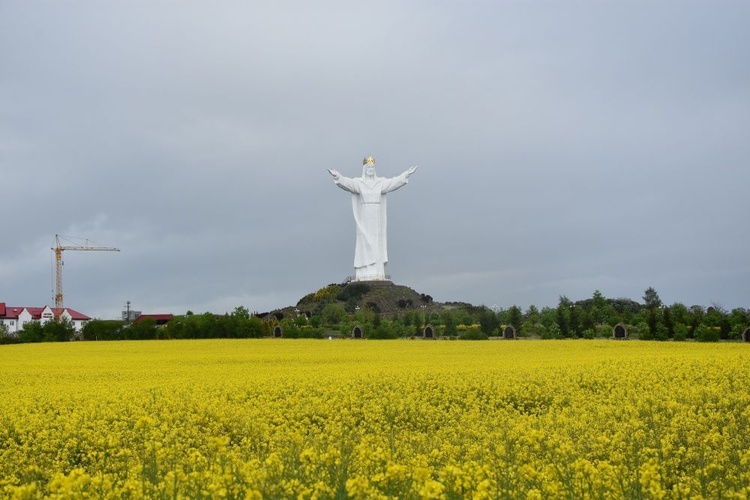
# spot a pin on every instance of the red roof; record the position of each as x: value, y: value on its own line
x: 78, y: 316
x: 159, y: 318
x: 36, y: 312
x: 9, y: 312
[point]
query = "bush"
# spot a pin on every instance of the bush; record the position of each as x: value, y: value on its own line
x: 32, y: 332
x: 680, y: 332
x: 643, y: 331
x: 8, y: 338
x: 327, y: 294
x: 552, y: 332
x: 706, y: 334
x: 353, y: 292
x: 99, y: 329
x: 58, y: 331
x: 308, y: 332
x: 382, y: 331
x: 473, y: 334
x: 332, y: 314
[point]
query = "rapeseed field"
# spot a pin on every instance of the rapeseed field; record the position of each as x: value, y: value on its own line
x: 375, y: 419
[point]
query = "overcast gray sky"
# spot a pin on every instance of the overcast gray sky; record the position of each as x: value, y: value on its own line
x: 563, y: 147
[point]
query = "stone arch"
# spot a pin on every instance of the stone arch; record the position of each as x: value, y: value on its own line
x: 619, y: 332
x: 429, y: 332
x: 357, y: 332
x: 509, y: 332
x: 746, y: 335
x: 278, y: 332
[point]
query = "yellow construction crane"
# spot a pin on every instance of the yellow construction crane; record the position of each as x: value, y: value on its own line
x: 58, y: 249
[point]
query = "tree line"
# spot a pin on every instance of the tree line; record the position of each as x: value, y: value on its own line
x: 590, y: 318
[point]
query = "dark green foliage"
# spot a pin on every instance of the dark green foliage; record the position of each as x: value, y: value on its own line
x: 706, y: 333
x: 353, y: 292
x: 449, y: 327
x: 99, y: 329
x: 680, y: 332
x: 563, y: 317
x: 574, y: 319
x: 392, y: 311
x: 473, y: 334
x: 145, y: 329
x: 332, y: 314
x: 239, y: 325
x: 515, y: 317
x: 382, y: 330
x: 653, y: 324
x: 668, y: 322
x: 651, y: 298
x: 32, y: 332
x: 489, y: 322
x: 8, y: 338
x: 58, y: 331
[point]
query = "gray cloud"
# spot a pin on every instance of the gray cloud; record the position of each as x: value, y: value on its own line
x: 563, y: 148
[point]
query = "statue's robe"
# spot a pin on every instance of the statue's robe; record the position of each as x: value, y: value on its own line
x: 370, y: 216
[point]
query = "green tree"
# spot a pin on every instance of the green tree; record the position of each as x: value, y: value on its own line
x: 651, y: 298
x: 533, y: 315
x: 563, y: 316
x: 668, y: 322
x: 717, y: 316
x: 59, y: 330
x: 696, y: 319
x: 653, y: 303
x: 739, y: 319
x: 574, y: 320
x: 241, y: 312
x: 32, y: 332
x: 315, y: 321
x: 548, y: 316
x: 449, y: 325
x: 145, y: 329
x: 489, y: 322
x: 680, y: 332
x: 705, y: 333
x: 515, y: 317
x: 332, y: 314
x: 100, y: 329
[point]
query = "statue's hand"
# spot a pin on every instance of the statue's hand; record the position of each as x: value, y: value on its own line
x: 411, y: 170
x: 334, y: 173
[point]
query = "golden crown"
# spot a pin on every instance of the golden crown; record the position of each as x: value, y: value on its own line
x: 368, y: 161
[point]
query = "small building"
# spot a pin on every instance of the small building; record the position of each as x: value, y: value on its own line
x: 13, y: 319
x: 159, y: 319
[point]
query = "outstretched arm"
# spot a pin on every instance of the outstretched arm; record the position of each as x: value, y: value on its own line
x: 394, y: 183
x: 344, y: 183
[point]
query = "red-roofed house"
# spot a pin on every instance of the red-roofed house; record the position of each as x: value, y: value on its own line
x: 14, y: 318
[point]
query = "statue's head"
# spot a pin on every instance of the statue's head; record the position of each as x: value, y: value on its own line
x: 368, y: 167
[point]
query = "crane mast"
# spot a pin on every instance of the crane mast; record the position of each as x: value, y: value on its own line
x: 58, y: 249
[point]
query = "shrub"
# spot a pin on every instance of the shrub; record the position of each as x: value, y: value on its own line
x: 332, y: 314
x: 353, y: 291
x: 327, y: 294
x: 680, y: 332
x: 706, y: 334
x: 473, y: 334
x: 551, y: 332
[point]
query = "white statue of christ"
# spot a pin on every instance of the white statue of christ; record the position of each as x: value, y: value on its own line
x: 368, y: 204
